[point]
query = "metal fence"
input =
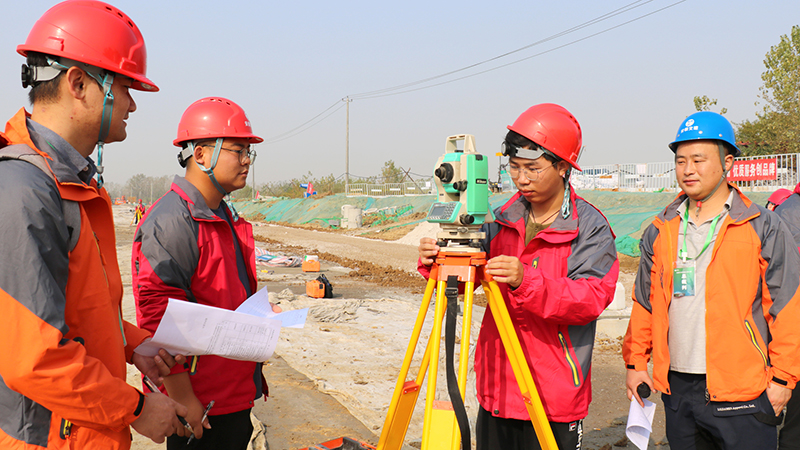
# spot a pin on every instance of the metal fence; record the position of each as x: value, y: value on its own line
x: 422, y: 187
x: 661, y: 176
x: 647, y: 177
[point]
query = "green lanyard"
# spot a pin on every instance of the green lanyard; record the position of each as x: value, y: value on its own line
x: 683, y: 253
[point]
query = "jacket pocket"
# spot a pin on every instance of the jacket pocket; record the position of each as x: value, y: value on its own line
x: 752, y: 336
x: 576, y: 381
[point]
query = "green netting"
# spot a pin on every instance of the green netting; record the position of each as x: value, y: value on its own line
x: 325, y: 209
x: 629, y: 213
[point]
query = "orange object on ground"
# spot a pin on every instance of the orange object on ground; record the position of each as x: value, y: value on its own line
x: 343, y: 443
x: 315, y: 288
x: 310, y: 266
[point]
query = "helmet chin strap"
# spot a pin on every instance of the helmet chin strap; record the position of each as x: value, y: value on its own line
x: 105, y: 122
x: 210, y: 172
x: 566, y: 206
x: 106, y: 82
x: 721, y: 178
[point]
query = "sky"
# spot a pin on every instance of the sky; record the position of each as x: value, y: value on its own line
x: 628, y: 82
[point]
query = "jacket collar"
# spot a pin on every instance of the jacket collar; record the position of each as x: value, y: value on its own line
x: 197, y: 204
x: 514, y: 212
x: 742, y: 208
x: 72, y: 167
x: 67, y: 165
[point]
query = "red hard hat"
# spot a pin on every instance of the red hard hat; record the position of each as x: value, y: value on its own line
x: 214, y: 117
x: 778, y: 197
x: 94, y: 33
x: 554, y: 128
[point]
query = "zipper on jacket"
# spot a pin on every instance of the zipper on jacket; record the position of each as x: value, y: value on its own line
x: 575, y: 380
x: 755, y: 343
x: 65, y: 429
x: 105, y: 274
x: 102, y: 258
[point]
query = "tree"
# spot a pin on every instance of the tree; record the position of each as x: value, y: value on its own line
x: 391, y: 173
x: 777, y: 126
x: 704, y: 104
x: 147, y: 188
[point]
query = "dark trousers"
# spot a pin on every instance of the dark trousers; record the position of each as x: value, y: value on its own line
x: 495, y: 433
x: 228, y: 431
x: 790, y: 433
x: 694, y: 422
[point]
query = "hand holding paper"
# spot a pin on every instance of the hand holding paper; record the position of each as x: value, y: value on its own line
x: 640, y: 422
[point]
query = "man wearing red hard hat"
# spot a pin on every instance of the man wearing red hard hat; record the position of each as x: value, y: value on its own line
x: 192, y: 246
x: 65, y: 345
x: 553, y: 256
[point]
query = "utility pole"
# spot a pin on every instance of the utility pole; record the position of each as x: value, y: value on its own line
x: 347, y: 100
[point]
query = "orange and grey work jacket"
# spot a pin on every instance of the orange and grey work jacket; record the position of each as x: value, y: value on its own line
x: 65, y: 345
x: 752, y: 303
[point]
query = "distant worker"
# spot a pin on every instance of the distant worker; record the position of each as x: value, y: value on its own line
x: 190, y: 246
x: 716, y: 303
x: 787, y: 206
x: 65, y: 345
x: 554, y: 258
x: 138, y: 212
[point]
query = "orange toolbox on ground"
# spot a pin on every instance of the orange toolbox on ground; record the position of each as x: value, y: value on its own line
x: 311, y: 266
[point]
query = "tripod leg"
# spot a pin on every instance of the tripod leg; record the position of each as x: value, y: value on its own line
x: 438, y: 413
x: 520, y: 366
x: 406, y: 393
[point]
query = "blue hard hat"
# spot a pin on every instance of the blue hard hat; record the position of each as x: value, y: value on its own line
x: 706, y: 125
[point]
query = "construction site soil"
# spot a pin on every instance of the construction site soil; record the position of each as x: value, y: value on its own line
x: 335, y: 376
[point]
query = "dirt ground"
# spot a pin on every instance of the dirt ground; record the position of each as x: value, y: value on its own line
x: 299, y: 412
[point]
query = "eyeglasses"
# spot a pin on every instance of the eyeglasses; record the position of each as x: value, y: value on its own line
x: 244, y: 154
x: 531, y: 174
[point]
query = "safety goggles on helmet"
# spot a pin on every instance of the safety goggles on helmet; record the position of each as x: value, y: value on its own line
x: 512, y: 151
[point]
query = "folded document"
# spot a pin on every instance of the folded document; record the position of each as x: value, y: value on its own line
x: 251, y: 334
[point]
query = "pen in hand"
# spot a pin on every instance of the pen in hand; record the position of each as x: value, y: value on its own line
x: 153, y: 388
x: 205, y: 415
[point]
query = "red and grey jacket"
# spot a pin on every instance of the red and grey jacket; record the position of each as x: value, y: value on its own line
x: 570, y: 274
x: 65, y: 345
x: 752, y: 302
x: 182, y: 250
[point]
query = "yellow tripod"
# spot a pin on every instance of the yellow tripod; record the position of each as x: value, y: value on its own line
x: 440, y: 426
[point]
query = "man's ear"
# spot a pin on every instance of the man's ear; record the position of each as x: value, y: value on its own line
x: 200, y: 154
x: 76, y: 82
x: 728, y: 162
x: 562, y: 167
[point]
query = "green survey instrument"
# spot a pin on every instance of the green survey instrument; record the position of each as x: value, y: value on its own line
x: 461, y: 209
x: 462, y: 206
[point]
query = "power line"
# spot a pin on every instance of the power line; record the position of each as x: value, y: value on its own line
x: 403, y: 88
x: 521, y: 59
x: 291, y: 133
x: 626, y: 8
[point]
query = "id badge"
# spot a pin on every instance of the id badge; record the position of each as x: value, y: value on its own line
x: 683, y: 279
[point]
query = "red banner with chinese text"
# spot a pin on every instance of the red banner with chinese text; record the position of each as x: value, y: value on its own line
x: 756, y: 169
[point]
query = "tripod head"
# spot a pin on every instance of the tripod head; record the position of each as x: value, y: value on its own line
x: 462, y: 206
